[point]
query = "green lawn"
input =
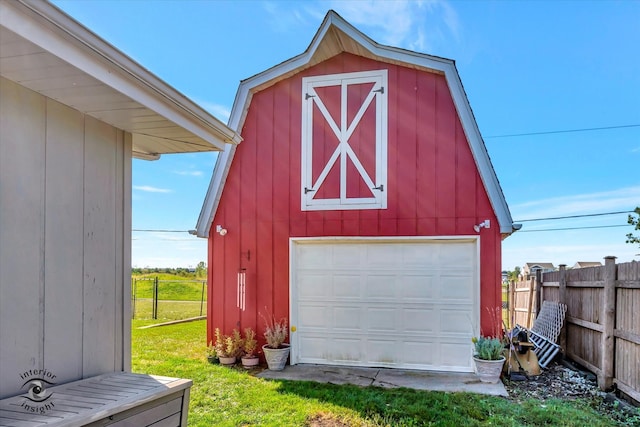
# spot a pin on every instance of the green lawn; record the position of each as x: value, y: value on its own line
x: 169, y: 310
x: 178, y: 297
x: 170, y: 287
x: 232, y: 397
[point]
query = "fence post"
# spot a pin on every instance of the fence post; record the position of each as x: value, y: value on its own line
x: 134, y: 282
x: 155, y: 298
x: 202, y: 297
x: 562, y: 297
x: 605, y: 379
x: 538, y: 291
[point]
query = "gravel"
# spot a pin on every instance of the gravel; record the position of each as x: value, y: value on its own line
x: 558, y: 381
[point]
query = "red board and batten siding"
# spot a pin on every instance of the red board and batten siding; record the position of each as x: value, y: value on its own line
x: 434, y: 189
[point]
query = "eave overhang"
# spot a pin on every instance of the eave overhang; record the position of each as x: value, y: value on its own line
x: 47, y: 51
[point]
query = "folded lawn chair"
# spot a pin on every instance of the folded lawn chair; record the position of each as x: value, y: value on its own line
x: 545, y: 330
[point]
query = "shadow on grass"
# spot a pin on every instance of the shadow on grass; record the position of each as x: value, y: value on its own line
x: 398, y: 407
x: 408, y: 407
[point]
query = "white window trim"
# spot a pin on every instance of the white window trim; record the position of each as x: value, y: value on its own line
x: 343, y: 132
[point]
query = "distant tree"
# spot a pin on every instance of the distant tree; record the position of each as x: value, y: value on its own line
x: 201, y: 269
x: 513, y: 275
x: 635, y: 222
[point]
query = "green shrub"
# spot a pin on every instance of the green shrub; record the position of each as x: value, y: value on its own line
x: 488, y: 348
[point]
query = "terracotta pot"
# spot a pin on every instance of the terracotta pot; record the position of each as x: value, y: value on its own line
x: 227, y: 360
x: 250, y: 362
x: 489, y: 370
x: 276, y: 357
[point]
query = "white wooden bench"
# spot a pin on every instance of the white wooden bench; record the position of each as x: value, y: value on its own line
x: 115, y: 399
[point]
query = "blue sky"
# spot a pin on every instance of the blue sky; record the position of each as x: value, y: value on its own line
x: 527, y: 67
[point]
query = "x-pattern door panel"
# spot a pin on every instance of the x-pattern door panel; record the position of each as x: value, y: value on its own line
x: 344, y: 142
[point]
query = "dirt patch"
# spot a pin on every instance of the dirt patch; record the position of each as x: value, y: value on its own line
x: 325, y: 420
x: 558, y: 381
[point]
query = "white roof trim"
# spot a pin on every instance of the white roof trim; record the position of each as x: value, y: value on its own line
x: 51, y: 29
x: 446, y: 66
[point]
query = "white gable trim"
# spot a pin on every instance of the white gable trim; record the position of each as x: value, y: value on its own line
x: 391, y: 54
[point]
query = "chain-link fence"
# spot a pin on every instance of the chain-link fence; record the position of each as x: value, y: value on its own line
x: 173, y: 299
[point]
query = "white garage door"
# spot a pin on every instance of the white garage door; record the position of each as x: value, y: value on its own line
x: 390, y: 303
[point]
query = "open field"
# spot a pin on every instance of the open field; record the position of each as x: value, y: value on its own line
x: 178, y: 297
x: 233, y: 397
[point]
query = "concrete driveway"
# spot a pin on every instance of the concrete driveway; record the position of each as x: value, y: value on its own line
x: 387, y: 378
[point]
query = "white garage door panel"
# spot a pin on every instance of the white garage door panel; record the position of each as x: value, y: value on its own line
x: 409, y: 304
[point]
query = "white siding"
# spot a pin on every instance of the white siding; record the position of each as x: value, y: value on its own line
x: 65, y: 182
x: 63, y: 269
x: 22, y: 119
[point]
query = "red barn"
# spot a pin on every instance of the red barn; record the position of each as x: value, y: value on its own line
x: 361, y: 205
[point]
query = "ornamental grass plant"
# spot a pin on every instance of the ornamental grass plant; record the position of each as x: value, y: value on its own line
x: 488, y: 348
x: 275, y: 331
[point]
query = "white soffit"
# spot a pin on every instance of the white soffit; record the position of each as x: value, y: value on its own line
x: 47, y: 51
x: 335, y: 36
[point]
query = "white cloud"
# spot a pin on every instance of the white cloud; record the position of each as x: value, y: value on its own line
x: 415, y: 25
x: 626, y: 198
x: 606, y: 235
x: 150, y: 189
x: 283, y: 19
x: 167, y: 251
x: 189, y: 173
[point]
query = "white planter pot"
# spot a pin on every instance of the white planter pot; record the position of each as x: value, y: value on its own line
x: 250, y: 362
x: 489, y: 370
x: 227, y: 360
x: 276, y: 357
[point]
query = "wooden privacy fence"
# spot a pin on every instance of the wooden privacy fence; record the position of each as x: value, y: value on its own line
x: 602, y: 323
x: 523, y: 304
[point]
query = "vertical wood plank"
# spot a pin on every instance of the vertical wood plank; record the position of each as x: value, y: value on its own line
x: 22, y: 165
x: 530, y: 305
x: 118, y: 234
x: 445, y: 158
x: 538, y: 292
x: 406, y: 141
x: 465, y: 180
x: 64, y: 241
x: 562, y: 299
x: 126, y: 252
x: 605, y: 380
x: 512, y: 304
x: 99, y: 277
x: 426, y: 153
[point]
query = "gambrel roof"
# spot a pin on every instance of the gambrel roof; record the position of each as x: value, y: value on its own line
x: 336, y: 36
x: 47, y: 51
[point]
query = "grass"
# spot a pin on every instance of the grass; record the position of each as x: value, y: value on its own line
x: 169, y: 310
x: 233, y: 397
x: 178, y: 297
x: 170, y: 287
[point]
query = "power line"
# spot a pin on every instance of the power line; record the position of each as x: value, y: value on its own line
x: 574, y: 216
x: 550, y: 132
x: 571, y: 228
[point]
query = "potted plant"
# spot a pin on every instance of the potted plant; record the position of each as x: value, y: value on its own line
x: 212, y: 357
x: 250, y: 344
x: 488, y: 358
x: 228, y: 347
x: 275, y: 350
